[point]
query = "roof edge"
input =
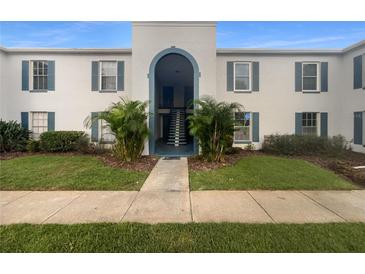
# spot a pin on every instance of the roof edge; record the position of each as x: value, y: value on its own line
x: 68, y: 50
x: 219, y: 50
x: 354, y: 46
x: 289, y: 51
x: 278, y: 51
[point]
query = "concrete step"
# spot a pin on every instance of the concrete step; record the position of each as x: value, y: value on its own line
x: 176, y: 140
x: 173, y: 143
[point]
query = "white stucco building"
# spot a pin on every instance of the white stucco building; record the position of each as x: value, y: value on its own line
x: 283, y: 91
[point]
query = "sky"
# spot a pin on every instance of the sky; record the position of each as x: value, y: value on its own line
x: 229, y: 34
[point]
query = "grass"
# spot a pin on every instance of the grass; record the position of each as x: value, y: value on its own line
x: 268, y: 172
x: 56, y: 172
x: 192, y: 237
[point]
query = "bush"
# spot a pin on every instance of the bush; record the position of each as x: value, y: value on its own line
x: 12, y: 136
x: 250, y: 147
x: 63, y: 141
x: 213, y: 125
x: 128, y: 121
x: 304, y: 145
x: 33, y: 146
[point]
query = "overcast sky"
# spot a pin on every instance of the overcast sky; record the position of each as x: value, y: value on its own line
x: 229, y: 34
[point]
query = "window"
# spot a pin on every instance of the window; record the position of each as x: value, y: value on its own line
x: 309, y: 123
x: 310, y: 77
x: 106, y: 135
x: 108, y: 75
x: 242, y: 76
x: 40, y: 75
x: 39, y: 123
x: 242, y: 126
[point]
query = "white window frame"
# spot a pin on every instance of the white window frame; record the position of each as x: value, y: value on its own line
x: 31, y: 127
x: 101, y: 76
x: 101, y: 126
x: 31, y: 76
x: 318, y: 76
x: 250, y: 129
x: 318, y: 122
x: 249, y: 76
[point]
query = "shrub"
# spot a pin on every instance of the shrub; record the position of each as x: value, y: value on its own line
x: 63, y: 141
x: 128, y: 121
x: 304, y: 145
x: 250, y: 147
x: 12, y: 136
x: 33, y: 146
x: 213, y: 125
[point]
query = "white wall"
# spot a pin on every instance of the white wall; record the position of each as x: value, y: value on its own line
x: 148, y: 39
x: 72, y: 101
x: 276, y: 101
x: 350, y: 100
x: 3, y: 96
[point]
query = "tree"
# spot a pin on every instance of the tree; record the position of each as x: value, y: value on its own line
x: 127, y: 120
x: 213, y: 125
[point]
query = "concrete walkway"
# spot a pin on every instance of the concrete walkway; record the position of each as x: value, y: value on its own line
x: 165, y: 197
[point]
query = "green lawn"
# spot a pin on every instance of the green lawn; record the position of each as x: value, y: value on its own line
x: 45, y: 172
x: 268, y: 172
x: 192, y: 237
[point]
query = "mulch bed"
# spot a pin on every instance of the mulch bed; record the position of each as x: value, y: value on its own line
x: 11, y: 155
x: 146, y: 163
x: 343, y: 165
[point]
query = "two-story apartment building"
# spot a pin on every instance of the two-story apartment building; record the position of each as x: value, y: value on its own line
x: 319, y: 92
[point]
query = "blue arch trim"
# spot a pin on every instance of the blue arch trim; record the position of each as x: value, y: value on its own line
x: 151, y: 76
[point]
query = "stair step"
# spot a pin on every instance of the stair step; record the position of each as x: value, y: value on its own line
x: 178, y: 135
x: 177, y: 144
x: 177, y: 128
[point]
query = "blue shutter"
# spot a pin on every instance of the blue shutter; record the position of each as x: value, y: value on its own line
x: 51, y: 75
x: 358, y: 116
x: 256, y: 127
x: 255, y: 76
x: 298, y: 123
x: 230, y: 76
x: 324, y: 76
x: 94, y: 127
x: 24, y: 120
x: 324, y: 124
x: 51, y: 121
x: 120, y: 73
x: 95, y: 76
x: 25, y: 75
x: 298, y: 76
x: 358, y: 72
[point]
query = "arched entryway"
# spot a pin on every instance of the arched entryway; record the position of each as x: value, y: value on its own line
x: 173, y: 84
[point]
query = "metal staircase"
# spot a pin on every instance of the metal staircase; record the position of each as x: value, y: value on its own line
x: 177, y: 130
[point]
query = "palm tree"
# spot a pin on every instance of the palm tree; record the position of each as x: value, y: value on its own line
x: 213, y: 125
x: 127, y: 119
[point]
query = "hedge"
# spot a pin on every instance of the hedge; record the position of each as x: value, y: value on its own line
x: 63, y: 141
x: 304, y: 145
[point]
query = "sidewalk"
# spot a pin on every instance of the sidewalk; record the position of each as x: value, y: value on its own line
x: 165, y: 198
x: 67, y: 207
